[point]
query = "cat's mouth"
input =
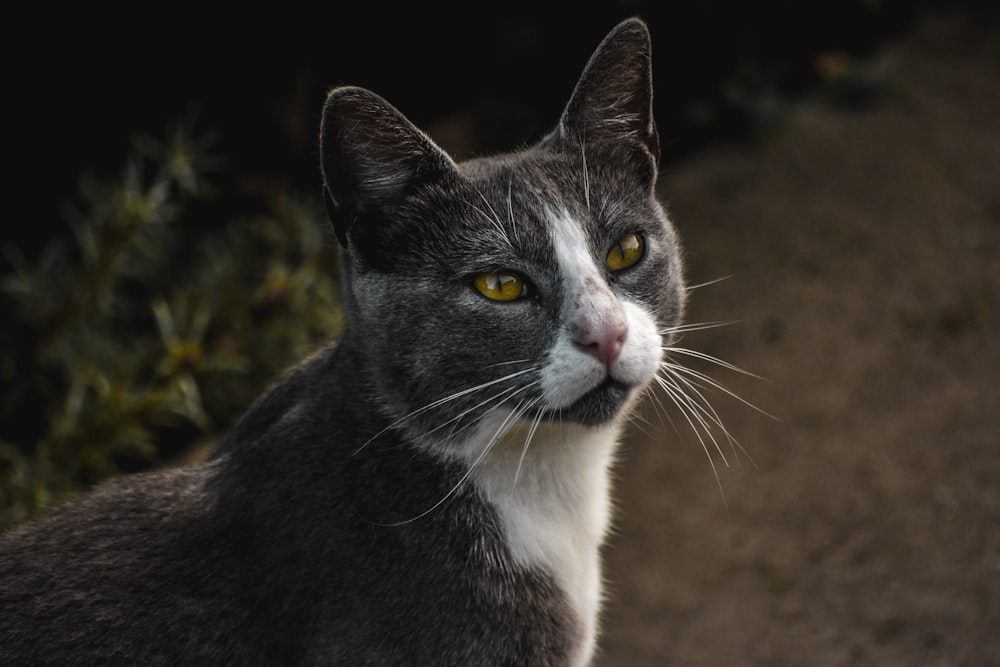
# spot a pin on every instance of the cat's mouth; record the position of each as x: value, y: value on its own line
x: 598, y: 406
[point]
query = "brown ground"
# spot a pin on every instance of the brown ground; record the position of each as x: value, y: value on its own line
x: 864, y: 250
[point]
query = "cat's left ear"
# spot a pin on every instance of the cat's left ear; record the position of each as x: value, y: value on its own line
x: 613, y: 100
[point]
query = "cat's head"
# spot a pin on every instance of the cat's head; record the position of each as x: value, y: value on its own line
x: 542, y: 283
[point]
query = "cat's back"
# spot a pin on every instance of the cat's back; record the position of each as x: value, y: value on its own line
x: 119, y: 572
x: 178, y: 565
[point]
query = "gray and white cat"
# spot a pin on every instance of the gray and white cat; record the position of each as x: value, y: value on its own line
x: 434, y: 488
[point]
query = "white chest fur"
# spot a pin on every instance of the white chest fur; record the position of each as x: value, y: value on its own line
x: 554, y: 506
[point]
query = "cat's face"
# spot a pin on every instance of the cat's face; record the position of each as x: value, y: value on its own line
x: 542, y: 284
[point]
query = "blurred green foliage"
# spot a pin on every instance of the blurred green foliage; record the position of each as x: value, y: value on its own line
x: 150, y: 333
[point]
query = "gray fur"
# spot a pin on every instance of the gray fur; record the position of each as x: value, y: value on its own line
x: 307, y: 539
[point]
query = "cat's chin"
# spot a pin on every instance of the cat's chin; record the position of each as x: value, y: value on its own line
x: 598, y: 407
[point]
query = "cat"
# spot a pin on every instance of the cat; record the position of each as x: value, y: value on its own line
x: 434, y: 487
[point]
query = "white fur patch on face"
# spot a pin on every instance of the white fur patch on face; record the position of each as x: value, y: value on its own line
x: 643, y: 349
x: 570, y: 372
x: 588, y: 302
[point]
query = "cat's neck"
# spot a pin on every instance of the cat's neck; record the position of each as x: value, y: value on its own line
x: 553, y: 501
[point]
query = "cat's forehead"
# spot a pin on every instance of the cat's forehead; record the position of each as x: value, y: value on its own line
x: 533, y: 183
x: 529, y: 169
x: 530, y: 182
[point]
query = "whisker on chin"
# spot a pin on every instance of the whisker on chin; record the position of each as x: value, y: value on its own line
x: 687, y: 389
x: 497, y: 436
x: 663, y: 411
x: 681, y: 401
x: 638, y: 421
x: 693, y: 412
x: 496, y: 399
x: 702, y: 377
x: 527, y: 440
x: 695, y: 385
x: 441, y: 401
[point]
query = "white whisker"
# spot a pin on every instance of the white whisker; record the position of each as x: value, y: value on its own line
x: 637, y: 421
x: 442, y: 401
x: 714, y: 383
x: 682, y: 401
x: 685, y: 328
x: 497, y: 436
x: 510, y: 207
x: 710, y: 282
x: 527, y: 440
x: 696, y: 410
x: 496, y: 398
x: 492, y: 217
x: 703, y: 407
x: 712, y: 360
x: 507, y: 363
x: 490, y: 400
x: 445, y: 497
x: 687, y: 387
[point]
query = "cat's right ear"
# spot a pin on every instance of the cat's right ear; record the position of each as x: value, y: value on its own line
x: 612, y: 103
x: 371, y: 156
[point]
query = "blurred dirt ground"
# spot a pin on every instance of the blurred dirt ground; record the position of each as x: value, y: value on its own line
x: 864, y: 255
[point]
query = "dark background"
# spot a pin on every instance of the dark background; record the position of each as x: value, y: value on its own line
x: 487, y: 78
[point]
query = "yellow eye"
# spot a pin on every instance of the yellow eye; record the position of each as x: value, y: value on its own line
x: 626, y: 252
x: 501, y: 285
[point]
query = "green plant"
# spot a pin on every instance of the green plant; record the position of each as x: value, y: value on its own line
x: 145, y: 336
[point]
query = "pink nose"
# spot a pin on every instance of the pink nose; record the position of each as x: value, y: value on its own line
x: 603, y: 342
